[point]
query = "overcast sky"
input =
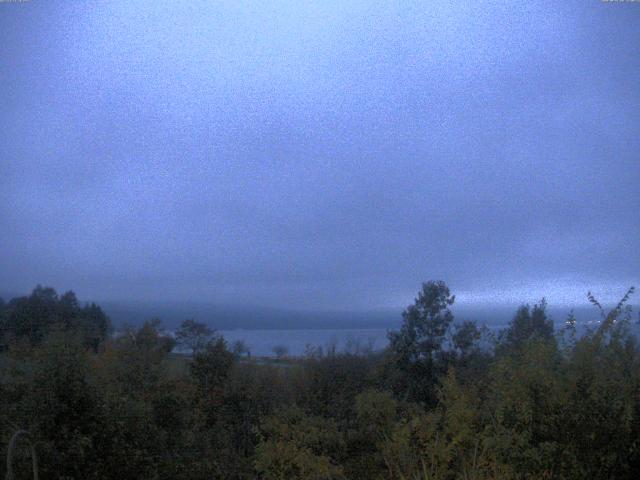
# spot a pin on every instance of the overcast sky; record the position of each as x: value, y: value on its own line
x: 320, y: 155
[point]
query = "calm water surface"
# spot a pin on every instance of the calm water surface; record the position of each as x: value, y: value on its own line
x: 261, y: 343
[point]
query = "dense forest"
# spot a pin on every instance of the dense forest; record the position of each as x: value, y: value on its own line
x: 445, y: 399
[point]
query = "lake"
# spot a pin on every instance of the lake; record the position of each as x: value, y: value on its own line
x: 262, y: 342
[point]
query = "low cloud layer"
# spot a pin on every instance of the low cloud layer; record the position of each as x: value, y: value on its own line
x: 320, y: 155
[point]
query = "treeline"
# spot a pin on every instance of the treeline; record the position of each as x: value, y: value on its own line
x: 443, y: 401
x: 31, y: 319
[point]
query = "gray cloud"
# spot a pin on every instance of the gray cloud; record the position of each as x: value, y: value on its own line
x: 319, y: 155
